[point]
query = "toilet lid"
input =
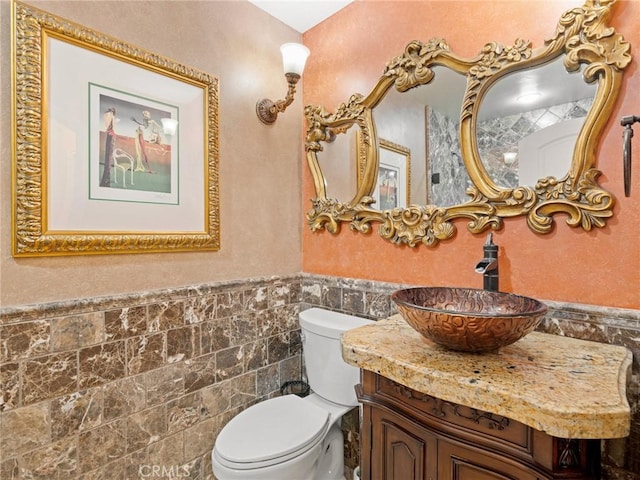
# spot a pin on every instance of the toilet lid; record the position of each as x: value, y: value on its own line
x: 271, y: 432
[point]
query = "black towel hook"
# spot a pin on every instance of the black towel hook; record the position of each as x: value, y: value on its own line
x: 626, y: 122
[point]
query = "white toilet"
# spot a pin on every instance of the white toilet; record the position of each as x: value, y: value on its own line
x: 293, y: 438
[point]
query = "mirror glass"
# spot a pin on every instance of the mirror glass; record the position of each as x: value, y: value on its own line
x: 338, y: 161
x: 529, y: 121
x: 425, y: 120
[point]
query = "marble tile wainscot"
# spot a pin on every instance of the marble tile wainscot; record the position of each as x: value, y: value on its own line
x: 114, y: 387
x: 130, y: 385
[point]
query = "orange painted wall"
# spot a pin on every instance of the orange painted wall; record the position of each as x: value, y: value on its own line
x: 601, y: 267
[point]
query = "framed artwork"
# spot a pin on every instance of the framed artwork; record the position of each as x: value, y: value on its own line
x: 392, y: 188
x: 115, y: 149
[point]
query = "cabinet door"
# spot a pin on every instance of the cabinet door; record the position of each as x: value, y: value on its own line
x: 401, y: 450
x: 456, y: 462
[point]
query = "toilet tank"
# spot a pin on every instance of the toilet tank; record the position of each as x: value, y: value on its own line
x: 328, y: 374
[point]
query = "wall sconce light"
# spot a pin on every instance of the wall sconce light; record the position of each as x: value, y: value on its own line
x: 169, y: 125
x: 294, y: 56
x: 510, y: 158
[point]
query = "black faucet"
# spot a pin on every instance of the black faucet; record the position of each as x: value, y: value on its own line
x: 488, y: 266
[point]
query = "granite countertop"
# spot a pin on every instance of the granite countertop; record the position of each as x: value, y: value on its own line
x: 565, y: 387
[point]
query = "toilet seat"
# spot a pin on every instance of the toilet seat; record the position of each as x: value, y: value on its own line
x: 281, y: 428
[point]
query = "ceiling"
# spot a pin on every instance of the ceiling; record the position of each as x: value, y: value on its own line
x: 301, y: 15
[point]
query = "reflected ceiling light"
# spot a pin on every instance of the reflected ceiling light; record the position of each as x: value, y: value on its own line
x: 510, y: 157
x: 528, y: 98
x: 294, y: 57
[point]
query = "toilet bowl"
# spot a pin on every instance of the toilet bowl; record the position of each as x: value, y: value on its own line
x: 284, y: 438
x: 293, y: 438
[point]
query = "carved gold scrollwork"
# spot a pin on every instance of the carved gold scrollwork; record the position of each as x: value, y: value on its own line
x: 412, y: 68
x: 582, y: 35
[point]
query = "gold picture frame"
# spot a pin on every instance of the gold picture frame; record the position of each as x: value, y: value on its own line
x: 94, y: 171
x: 394, y: 166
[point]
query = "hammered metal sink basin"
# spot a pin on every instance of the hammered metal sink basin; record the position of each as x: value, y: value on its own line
x: 467, y: 319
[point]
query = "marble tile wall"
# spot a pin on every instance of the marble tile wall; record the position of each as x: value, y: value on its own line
x: 445, y: 162
x: 139, y: 386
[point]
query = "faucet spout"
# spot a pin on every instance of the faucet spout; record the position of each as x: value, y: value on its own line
x: 488, y: 266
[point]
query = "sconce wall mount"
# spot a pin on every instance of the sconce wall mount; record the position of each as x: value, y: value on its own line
x: 268, y: 110
x: 294, y: 57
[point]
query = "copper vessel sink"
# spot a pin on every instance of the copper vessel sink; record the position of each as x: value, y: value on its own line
x: 467, y: 319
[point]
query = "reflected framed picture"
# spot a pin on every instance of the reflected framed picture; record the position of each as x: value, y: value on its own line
x: 115, y: 149
x: 392, y: 188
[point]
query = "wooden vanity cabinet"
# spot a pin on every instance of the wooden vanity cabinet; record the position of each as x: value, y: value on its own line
x: 407, y: 435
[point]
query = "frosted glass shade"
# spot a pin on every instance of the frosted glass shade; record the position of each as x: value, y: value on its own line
x: 294, y: 56
x: 169, y: 125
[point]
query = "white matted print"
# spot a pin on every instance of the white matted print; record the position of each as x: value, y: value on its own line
x: 79, y: 115
x: 95, y: 170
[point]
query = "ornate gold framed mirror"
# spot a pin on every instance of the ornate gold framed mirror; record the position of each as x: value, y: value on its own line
x: 499, y: 183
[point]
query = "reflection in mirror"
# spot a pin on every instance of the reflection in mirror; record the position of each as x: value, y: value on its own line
x: 547, y: 152
x: 425, y: 120
x: 338, y: 162
x: 535, y: 114
x: 447, y: 175
x: 399, y: 119
x: 393, y: 187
